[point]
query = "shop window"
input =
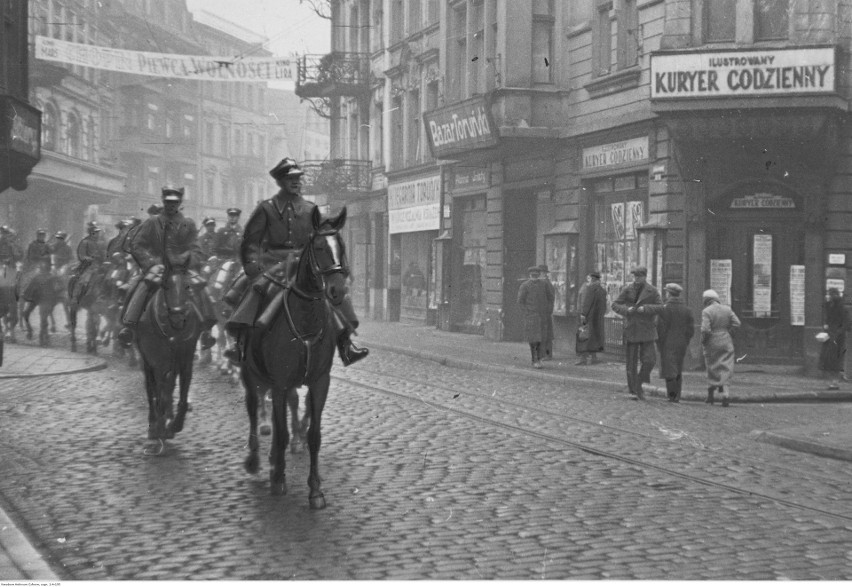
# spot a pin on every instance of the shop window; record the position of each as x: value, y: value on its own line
x: 771, y: 19
x: 470, y: 307
x: 719, y: 21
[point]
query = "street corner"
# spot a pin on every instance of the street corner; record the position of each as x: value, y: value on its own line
x: 21, y: 361
x: 824, y: 441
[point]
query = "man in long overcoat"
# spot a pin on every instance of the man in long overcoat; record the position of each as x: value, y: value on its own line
x: 534, y: 302
x: 592, y: 312
x: 675, y: 328
x: 640, y: 332
x: 547, y: 343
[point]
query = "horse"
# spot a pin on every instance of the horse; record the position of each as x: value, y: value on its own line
x: 115, y: 287
x: 45, y: 291
x: 87, y: 294
x: 220, y: 275
x: 166, y: 336
x: 297, y: 348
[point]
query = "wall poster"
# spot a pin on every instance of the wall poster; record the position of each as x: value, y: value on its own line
x: 762, y: 275
x: 797, y: 295
x: 720, y: 279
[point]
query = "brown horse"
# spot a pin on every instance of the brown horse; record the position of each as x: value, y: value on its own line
x: 166, y: 336
x: 87, y: 291
x: 297, y: 349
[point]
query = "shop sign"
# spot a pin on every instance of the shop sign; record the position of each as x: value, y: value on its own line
x: 415, y: 205
x: 22, y: 133
x: 462, y: 126
x: 466, y: 178
x: 621, y: 154
x: 763, y: 202
x: 837, y: 258
x: 743, y: 73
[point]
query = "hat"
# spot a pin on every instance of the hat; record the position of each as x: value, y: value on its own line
x: 534, y: 269
x: 134, y: 220
x: 822, y: 337
x: 595, y: 274
x: 5, y: 228
x: 234, y: 211
x: 93, y: 226
x: 41, y: 231
x: 287, y: 167
x: 155, y: 209
x: 673, y: 289
x: 60, y: 234
x: 639, y: 271
x: 172, y: 193
x: 121, y: 224
x: 207, y: 221
x: 544, y: 268
x: 710, y: 294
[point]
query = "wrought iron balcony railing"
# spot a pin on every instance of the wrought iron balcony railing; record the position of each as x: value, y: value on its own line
x: 336, y: 176
x: 333, y: 74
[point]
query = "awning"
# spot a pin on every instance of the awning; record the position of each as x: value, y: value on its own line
x: 564, y: 227
x: 64, y: 177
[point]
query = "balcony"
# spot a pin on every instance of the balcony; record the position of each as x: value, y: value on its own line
x: 333, y: 74
x: 336, y: 177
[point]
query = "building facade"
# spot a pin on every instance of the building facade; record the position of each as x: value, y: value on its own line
x: 706, y: 140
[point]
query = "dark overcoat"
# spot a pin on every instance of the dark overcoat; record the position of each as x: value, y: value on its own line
x: 534, y: 303
x: 593, y: 309
x: 638, y: 327
x: 675, y: 328
x: 166, y: 241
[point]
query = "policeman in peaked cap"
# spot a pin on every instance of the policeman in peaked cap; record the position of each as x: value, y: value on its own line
x: 229, y: 237
x: 207, y: 241
x: 167, y: 242
x: 277, y: 231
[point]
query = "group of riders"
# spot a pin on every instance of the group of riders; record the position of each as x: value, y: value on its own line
x: 144, y: 253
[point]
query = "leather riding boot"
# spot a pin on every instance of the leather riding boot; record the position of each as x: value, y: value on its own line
x: 348, y: 351
x: 207, y: 340
x: 125, y: 336
x: 234, y: 353
x: 710, y: 391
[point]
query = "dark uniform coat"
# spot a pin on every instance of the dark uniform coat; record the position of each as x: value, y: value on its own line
x: 274, y: 226
x: 10, y: 253
x: 91, y: 250
x: 207, y: 242
x: 832, y: 356
x: 228, y: 240
x: 593, y: 309
x: 37, y: 253
x: 61, y: 253
x: 675, y: 328
x: 535, y: 304
x: 164, y: 241
x: 638, y: 327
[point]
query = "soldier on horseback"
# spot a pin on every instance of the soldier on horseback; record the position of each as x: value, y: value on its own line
x: 165, y: 243
x: 229, y: 237
x: 60, y: 250
x: 207, y: 241
x: 277, y: 231
x: 38, y: 252
x: 10, y: 252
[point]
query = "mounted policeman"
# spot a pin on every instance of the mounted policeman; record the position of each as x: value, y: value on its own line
x: 275, y: 235
x: 163, y: 244
x: 229, y: 237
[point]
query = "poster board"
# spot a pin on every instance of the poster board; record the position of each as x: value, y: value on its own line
x: 762, y: 275
x: 797, y: 295
x: 721, y: 271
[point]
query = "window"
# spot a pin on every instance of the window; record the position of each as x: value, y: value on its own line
x: 628, y: 34
x: 720, y: 21
x: 48, y: 127
x: 477, y: 49
x: 771, y: 19
x: 412, y: 155
x: 72, y: 137
x: 602, y: 40
x: 209, y: 137
x: 414, y: 24
x: 542, y: 42
x: 238, y: 142
x: 397, y: 22
x: 151, y: 117
x: 458, y: 57
x: 396, y: 145
x: 90, y: 133
x: 225, y: 140
x: 434, y: 12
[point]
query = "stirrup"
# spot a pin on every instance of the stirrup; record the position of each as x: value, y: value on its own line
x: 125, y: 336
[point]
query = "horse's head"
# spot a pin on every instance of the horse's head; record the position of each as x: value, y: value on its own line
x: 176, y: 297
x: 326, y: 257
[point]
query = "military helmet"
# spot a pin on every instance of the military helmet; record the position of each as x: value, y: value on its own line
x: 61, y: 234
x: 93, y: 227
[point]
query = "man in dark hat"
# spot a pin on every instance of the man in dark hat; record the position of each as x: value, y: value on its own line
x: 60, y: 250
x: 278, y: 230
x: 114, y: 244
x: 207, y: 241
x: 91, y: 252
x: 640, y: 332
x: 547, y: 319
x: 10, y: 253
x: 229, y: 237
x: 675, y: 327
x: 38, y: 251
x: 535, y: 303
x: 162, y: 244
x: 592, y: 312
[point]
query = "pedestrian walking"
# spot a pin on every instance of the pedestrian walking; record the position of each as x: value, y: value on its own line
x: 832, y: 357
x: 592, y: 311
x: 675, y: 327
x: 640, y: 331
x: 532, y: 298
x: 547, y: 343
x: 717, y: 323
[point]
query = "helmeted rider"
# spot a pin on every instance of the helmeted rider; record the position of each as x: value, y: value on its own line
x: 162, y: 244
x: 38, y: 252
x: 61, y: 250
x: 229, y: 237
x: 91, y: 253
x: 10, y: 252
x: 114, y: 244
x: 207, y: 241
x: 278, y: 230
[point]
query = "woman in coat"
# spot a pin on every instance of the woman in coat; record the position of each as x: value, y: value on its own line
x: 535, y: 303
x: 592, y: 311
x: 835, y: 320
x: 717, y: 322
x: 675, y: 327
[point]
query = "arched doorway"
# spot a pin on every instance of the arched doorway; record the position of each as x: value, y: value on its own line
x: 755, y: 259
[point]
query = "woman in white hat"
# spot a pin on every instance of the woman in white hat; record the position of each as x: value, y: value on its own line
x: 717, y: 322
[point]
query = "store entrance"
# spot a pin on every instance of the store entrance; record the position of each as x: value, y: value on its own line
x: 754, y: 258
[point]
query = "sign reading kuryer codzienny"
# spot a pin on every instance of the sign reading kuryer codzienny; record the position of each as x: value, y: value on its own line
x: 803, y: 70
x: 622, y: 153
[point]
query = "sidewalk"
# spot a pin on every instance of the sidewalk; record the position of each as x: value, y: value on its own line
x: 24, y: 360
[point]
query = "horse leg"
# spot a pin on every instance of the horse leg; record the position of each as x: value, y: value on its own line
x: 185, y: 375
x: 314, y: 403
x: 252, y: 391
x: 72, y: 326
x: 266, y: 425
x: 44, y: 312
x: 52, y: 321
x: 92, y: 320
x: 280, y: 438
x: 298, y: 439
x: 25, y: 316
x: 155, y: 420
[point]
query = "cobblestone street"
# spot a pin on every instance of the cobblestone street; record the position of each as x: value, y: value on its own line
x: 430, y: 472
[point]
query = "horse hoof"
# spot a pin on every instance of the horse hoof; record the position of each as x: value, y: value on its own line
x: 156, y: 449
x: 252, y: 463
x: 265, y: 429
x: 317, y: 502
x: 277, y: 487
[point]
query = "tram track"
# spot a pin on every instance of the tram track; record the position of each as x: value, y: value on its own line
x: 584, y: 447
